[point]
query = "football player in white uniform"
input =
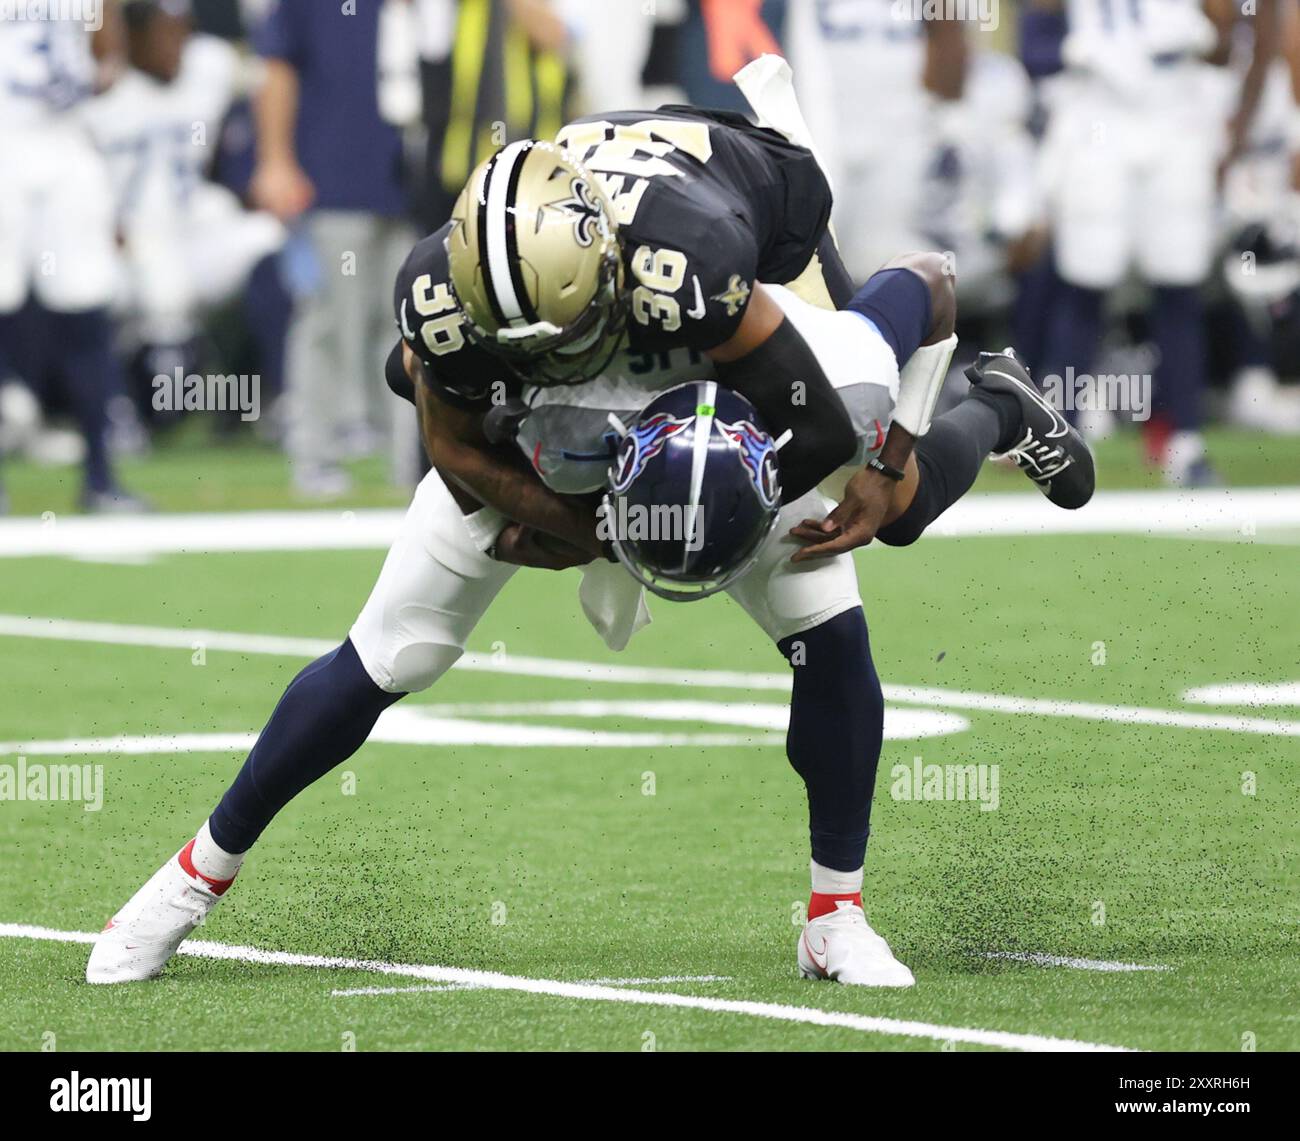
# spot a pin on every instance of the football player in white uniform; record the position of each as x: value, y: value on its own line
x: 1137, y: 135
x: 882, y: 91
x: 566, y: 257
x: 56, y: 225
x: 187, y: 243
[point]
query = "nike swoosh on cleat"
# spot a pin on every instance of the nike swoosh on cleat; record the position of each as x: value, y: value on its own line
x: 1040, y: 400
x: 818, y: 962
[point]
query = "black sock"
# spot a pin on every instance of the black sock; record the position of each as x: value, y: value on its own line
x: 949, y: 456
x: 837, y: 716
x: 324, y: 717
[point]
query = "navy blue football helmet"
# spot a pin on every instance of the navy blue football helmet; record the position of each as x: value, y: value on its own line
x: 694, y: 491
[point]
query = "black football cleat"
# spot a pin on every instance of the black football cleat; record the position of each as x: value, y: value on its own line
x: 1049, y: 451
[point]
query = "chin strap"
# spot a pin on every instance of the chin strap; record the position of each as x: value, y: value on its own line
x: 919, y: 383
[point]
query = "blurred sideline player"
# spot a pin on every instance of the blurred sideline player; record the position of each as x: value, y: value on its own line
x: 1261, y: 265
x: 968, y: 205
x: 331, y: 167
x: 187, y: 243
x: 1135, y: 142
x: 882, y: 92
x: 611, y: 268
x: 56, y: 228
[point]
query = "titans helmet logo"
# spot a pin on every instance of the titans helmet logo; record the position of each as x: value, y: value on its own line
x: 757, y: 453
x: 641, y: 445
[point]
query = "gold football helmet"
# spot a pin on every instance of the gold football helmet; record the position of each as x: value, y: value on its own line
x: 536, y: 264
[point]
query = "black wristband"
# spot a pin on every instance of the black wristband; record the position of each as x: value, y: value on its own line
x: 893, y: 473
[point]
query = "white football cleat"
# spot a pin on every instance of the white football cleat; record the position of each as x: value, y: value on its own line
x: 840, y: 945
x: 139, y: 940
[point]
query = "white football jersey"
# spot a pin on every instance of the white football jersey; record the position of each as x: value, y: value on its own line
x: 46, y: 68
x: 159, y: 137
x: 1150, y: 29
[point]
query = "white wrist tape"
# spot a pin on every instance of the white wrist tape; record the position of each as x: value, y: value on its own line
x: 919, y: 383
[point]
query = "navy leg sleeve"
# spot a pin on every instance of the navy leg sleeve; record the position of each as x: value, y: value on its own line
x: 324, y: 717
x: 837, y: 714
x: 89, y: 369
x: 1178, y: 329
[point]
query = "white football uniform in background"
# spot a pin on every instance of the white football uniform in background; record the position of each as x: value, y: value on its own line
x: 858, y: 68
x: 985, y: 194
x: 438, y: 580
x: 1258, y: 185
x: 1136, y: 132
x: 56, y: 225
x: 188, y: 243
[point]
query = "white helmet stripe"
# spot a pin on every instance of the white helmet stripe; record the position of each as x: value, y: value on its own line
x: 699, y: 457
x: 498, y: 258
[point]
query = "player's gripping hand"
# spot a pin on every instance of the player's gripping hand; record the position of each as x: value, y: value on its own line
x: 853, y: 523
x: 525, y: 546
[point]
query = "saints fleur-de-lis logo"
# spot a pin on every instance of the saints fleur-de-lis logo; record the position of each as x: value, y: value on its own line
x: 734, y: 296
x: 582, y: 209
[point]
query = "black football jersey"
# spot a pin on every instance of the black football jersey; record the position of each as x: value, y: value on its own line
x: 461, y: 372
x: 707, y: 205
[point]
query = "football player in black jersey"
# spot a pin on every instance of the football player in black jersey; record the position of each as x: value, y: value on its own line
x: 648, y: 233
x: 653, y: 231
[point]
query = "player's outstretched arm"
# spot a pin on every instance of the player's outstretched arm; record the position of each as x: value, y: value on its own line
x: 882, y: 491
x: 457, y: 447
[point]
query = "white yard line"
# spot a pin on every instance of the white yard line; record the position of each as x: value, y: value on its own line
x: 60, y: 629
x: 442, y: 732
x: 1038, y: 959
x: 1236, y: 512
x: 658, y: 980
x: 162, y: 637
x: 355, y: 992
x: 662, y: 979
x: 1091, y: 711
x: 444, y: 726
x: 1256, y: 693
x: 587, y: 992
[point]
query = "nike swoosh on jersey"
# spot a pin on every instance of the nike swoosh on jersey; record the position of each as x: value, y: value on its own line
x: 698, y: 311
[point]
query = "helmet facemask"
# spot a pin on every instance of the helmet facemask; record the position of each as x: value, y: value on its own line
x: 537, y: 267
x: 548, y: 356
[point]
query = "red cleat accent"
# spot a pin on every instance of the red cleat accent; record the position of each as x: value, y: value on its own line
x: 1155, y: 440
x: 819, y: 904
x: 186, y: 860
